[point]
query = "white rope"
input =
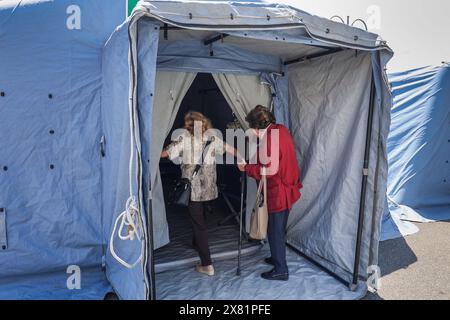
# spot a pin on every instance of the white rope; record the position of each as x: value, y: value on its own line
x: 131, y: 218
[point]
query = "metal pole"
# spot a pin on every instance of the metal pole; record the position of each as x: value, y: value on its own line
x: 317, y: 264
x: 362, y: 203
x: 215, y: 39
x: 241, y: 214
x: 314, y: 56
x: 151, y: 256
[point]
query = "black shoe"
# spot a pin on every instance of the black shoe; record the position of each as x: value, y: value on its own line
x: 269, y: 261
x: 271, y: 275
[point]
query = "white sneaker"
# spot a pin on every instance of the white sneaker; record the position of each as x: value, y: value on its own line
x: 208, y: 270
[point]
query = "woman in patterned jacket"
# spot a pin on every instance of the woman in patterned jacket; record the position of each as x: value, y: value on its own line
x: 188, y: 151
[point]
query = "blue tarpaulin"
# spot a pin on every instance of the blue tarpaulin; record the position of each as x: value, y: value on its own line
x: 51, y: 178
x: 419, y: 149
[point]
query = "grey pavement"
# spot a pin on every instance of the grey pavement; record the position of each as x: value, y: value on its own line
x: 416, y: 267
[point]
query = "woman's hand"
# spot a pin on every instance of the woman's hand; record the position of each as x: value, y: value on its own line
x: 164, y: 154
x: 241, y: 167
x: 229, y: 149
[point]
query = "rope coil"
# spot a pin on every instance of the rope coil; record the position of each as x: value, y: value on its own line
x: 129, y: 219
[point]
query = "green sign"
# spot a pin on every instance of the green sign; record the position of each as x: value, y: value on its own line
x: 130, y: 6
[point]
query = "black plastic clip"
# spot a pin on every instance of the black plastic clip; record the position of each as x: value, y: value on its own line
x: 102, y: 146
x: 3, y: 235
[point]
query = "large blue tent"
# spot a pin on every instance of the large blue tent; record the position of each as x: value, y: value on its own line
x: 418, y: 150
x: 50, y: 70
x: 79, y: 102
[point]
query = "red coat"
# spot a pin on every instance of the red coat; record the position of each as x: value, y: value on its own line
x: 283, y: 185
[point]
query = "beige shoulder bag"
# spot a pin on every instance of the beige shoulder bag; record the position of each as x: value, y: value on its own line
x: 260, y: 214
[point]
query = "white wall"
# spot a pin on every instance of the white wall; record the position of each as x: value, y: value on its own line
x: 417, y: 30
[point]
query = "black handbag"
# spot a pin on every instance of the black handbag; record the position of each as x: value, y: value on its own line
x: 182, y: 190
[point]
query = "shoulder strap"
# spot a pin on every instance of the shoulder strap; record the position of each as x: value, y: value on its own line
x: 204, y: 152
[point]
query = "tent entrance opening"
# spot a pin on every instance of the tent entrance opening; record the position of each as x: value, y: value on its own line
x: 222, y: 214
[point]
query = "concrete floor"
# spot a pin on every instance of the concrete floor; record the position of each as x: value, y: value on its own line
x: 418, y: 267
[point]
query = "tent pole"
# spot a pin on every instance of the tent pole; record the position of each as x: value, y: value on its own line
x: 150, y: 270
x: 362, y: 203
x: 215, y: 39
x: 241, y: 213
x: 150, y: 244
x: 314, y: 56
x: 317, y: 264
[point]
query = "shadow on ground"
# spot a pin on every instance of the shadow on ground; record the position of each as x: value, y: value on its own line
x: 395, y: 255
x: 417, y: 267
x: 372, y: 296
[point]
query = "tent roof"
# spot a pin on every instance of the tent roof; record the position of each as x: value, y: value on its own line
x: 234, y: 16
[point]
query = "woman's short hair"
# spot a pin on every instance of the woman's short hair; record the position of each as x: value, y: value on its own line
x: 193, y: 116
x: 260, y: 118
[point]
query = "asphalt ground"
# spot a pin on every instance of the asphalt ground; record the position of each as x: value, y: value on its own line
x: 416, y: 267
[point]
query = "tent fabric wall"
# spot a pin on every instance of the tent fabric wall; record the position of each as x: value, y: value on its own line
x: 243, y: 93
x: 382, y: 120
x: 171, y: 87
x: 279, y: 86
x: 128, y: 284
x: 393, y: 226
x: 329, y: 102
x: 227, y: 58
x: 50, y: 114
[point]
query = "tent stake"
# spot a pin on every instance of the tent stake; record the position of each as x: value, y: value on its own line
x: 362, y: 203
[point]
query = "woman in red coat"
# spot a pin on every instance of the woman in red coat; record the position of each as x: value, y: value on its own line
x: 283, y: 183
